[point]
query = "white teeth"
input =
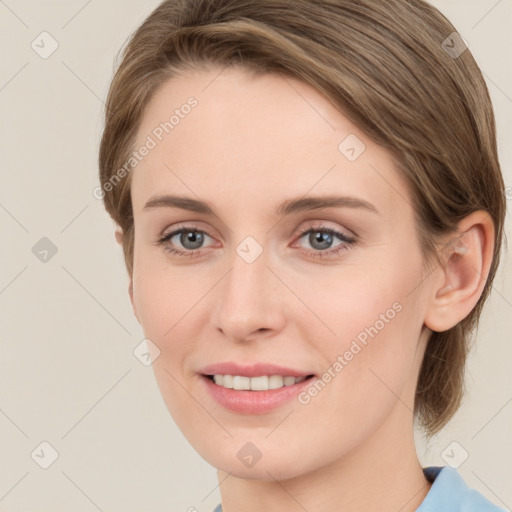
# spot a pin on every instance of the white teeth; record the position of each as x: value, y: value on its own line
x: 275, y: 382
x: 241, y: 382
x: 289, y: 381
x: 261, y: 383
x: 227, y: 381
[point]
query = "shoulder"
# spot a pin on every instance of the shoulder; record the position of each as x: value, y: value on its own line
x: 450, y: 493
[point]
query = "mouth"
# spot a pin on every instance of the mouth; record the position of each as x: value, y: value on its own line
x: 257, y: 383
x: 253, y: 389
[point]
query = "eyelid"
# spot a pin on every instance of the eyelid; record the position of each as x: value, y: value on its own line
x: 323, y: 226
x: 194, y: 226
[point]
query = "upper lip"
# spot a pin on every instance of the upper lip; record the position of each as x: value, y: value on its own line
x: 252, y: 370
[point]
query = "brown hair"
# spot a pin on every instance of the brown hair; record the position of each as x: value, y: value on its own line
x: 396, y: 68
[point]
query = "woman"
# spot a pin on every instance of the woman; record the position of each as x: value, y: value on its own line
x: 311, y: 208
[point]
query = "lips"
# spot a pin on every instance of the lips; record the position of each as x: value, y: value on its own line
x: 254, y: 388
x: 252, y: 370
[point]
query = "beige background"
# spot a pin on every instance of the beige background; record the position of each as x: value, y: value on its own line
x: 67, y: 372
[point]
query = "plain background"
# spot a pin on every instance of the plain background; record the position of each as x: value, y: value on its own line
x: 68, y: 375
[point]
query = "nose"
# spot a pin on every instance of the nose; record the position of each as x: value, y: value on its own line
x: 250, y: 301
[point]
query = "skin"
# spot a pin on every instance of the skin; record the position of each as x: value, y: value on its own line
x: 252, y: 142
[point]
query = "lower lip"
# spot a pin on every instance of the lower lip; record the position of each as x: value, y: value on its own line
x: 254, y: 402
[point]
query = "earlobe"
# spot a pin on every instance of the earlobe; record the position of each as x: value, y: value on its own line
x: 119, y: 235
x: 465, y: 260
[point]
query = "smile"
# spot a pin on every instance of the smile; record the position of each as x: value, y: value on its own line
x: 259, y: 383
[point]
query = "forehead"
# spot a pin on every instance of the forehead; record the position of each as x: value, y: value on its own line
x: 255, y: 136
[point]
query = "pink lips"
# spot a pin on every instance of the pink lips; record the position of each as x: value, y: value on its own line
x: 252, y: 402
x: 251, y: 370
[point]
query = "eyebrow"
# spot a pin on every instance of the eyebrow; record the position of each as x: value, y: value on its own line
x: 288, y: 207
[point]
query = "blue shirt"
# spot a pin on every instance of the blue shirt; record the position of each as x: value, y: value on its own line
x: 449, y: 493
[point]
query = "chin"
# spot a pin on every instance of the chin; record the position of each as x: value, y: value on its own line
x: 262, y: 460
x: 270, y: 469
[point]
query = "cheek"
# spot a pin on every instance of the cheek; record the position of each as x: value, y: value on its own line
x: 366, y: 300
x: 165, y: 295
x: 165, y: 309
x: 370, y: 325
x: 169, y: 306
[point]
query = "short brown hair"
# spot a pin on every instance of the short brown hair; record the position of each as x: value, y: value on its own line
x: 396, y: 68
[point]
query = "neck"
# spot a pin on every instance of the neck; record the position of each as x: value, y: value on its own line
x: 383, y: 474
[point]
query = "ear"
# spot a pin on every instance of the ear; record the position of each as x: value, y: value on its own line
x: 465, y: 260
x: 119, y: 235
x: 119, y: 238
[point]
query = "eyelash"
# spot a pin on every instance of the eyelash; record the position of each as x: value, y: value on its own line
x: 347, y: 241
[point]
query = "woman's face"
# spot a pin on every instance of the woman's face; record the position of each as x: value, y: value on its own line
x: 266, y: 283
